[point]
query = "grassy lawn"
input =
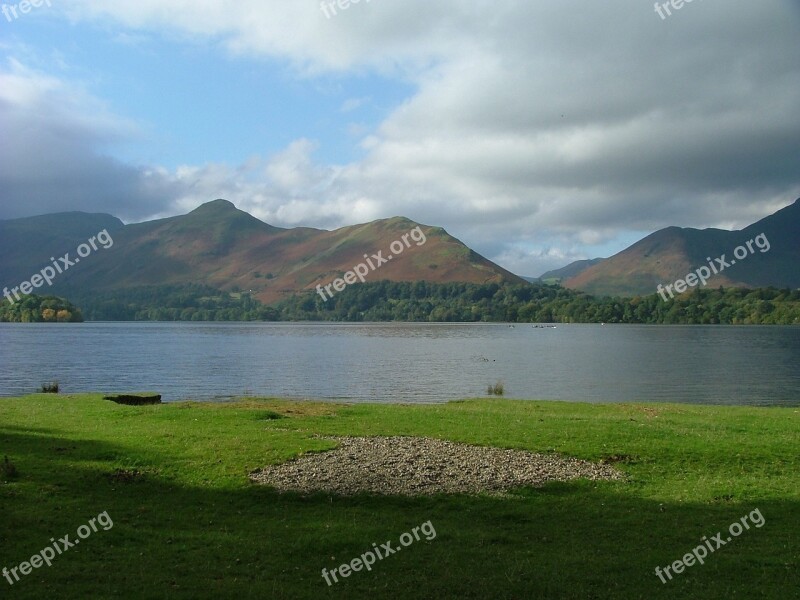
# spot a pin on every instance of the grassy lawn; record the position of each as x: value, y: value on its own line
x: 187, y: 523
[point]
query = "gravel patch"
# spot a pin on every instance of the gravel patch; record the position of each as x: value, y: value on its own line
x: 411, y: 466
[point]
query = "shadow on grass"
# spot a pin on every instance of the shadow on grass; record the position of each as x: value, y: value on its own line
x: 576, y: 540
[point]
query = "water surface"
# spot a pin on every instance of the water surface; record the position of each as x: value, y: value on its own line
x: 407, y: 362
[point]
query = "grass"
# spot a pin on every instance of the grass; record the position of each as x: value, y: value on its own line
x: 8, y: 470
x: 188, y: 524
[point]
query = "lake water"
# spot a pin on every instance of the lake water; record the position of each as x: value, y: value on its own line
x: 408, y: 362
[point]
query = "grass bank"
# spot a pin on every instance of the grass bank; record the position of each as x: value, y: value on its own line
x: 187, y: 523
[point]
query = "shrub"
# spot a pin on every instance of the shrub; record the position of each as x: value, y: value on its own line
x: 498, y: 389
x: 269, y: 415
x: 50, y: 388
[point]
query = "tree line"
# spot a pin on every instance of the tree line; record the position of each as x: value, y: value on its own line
x: 39, y: 309
x: 446, y: 302
x: 539, y: 303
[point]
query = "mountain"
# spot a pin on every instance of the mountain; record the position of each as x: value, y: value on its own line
x: 26, y: 245
x: 228, y: 249
x: 670, y: 254
x: 571, y: 270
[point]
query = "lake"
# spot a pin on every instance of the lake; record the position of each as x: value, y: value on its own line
x: 407, y: 362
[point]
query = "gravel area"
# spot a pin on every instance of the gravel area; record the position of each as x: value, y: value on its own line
x: 410, y: 466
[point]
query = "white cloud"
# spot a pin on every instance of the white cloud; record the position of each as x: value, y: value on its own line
x: 352, y: 104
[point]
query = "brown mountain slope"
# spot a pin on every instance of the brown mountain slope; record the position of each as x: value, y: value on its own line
x: 434, y: 256
x: 226, y: 248
x: 670, y: 254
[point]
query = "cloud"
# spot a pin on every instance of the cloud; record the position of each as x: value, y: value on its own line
x: 55, y: 162
x: 352, y: 104
x: 288, y: 189
x: 549, y: 126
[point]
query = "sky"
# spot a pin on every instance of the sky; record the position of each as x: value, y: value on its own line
x: 537, y: 132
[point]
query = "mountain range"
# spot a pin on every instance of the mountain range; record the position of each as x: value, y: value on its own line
x: 228, y: 249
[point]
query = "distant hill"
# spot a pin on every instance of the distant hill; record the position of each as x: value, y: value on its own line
x: 228, y: 249
x: 26, y: 245
x: 571, y: 270
x: 670, y: 254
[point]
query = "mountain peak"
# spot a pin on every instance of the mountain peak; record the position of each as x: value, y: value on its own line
x: 223, y: 211
x: 218, y: 205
